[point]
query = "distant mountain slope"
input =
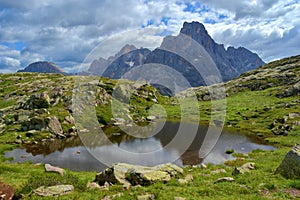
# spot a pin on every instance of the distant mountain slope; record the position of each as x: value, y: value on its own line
x: 231, y: 62
x: 43, y: 67
x: 283, y: 76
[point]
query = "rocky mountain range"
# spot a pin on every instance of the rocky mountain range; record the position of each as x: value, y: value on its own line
x: 231, y: 62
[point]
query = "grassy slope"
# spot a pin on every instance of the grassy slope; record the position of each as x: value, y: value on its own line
x: 250, y: 110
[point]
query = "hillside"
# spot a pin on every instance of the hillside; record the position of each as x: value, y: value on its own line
x: 263, y: 103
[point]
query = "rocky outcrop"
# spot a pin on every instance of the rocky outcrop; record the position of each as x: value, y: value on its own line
x: 43, y: 67
x: 231, y: 62
x: 290, y: 166
x: 127, y: 174
x: 40, y: 123
x: 41, y: 100
x: 54, y: 126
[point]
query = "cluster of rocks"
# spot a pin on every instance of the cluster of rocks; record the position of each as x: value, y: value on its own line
x: 137, y: 176
x: 282, y: 126
x: 38, y: 105
x: 131, y: 175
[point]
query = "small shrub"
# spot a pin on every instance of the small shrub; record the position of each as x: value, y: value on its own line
x: 51, y: 179
x: 295, y: 184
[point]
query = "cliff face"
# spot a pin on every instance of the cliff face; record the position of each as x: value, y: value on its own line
x: 230, y: 62
x: 43, y: 67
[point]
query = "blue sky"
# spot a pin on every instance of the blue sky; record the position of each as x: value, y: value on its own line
x: 65, y: 32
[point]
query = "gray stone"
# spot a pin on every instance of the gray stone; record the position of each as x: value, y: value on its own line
x: 32, y: 133
x: 293, y: 115
x: 179, y: 198
x: 151, y: 118
x: 41, y: 100
x: 50, y: 168
x: 112, y: 196
x: 146, y: 197
x: 54, y: 126
x: 56, y: 190
x: 244, y: 168
x: 290, y: 166
x: 188, y: 178
x: 69, y: 119
x: 224, y: 179
x: 218, y: 171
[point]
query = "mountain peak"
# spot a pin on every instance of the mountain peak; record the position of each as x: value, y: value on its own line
x: 43, y: 67
x: 126, y: 49
x: 193, y: 28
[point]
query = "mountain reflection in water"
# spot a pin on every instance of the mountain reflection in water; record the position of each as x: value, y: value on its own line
x: 72, y: 154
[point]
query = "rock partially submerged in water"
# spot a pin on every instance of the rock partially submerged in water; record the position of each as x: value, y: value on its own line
x: 127, y: 174
x: 56, y: 190
x: 290, y: 166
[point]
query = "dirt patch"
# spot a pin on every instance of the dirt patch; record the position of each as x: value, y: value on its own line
x: 6, y: 192
x: 294, y: 192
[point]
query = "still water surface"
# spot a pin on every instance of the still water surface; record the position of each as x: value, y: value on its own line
x: 72, y: 154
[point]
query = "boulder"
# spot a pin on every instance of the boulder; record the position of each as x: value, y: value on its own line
x: 41, y: 100
x: 50, y: 168
x: 39, y: 123
x: 290, y: 166
x: 128, y: 174
x: 244, y: 168
x: 56, y: 190
x: 54, y: 126
x: 35, y: 123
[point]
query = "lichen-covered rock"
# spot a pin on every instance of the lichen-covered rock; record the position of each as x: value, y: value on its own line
x: 244, y: 168
x: 146, y: 197
x: 40, y: 123
x: 54, y: 126
x: 56, y: 190
x: 41, y: 100
x: 35, y: 123
x: 128, y: 174
x: 290, y: 166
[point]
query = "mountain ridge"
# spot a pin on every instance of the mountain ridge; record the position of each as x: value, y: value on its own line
x: 231, y: 62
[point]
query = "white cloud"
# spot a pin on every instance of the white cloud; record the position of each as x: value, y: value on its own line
x: 66, y: 31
